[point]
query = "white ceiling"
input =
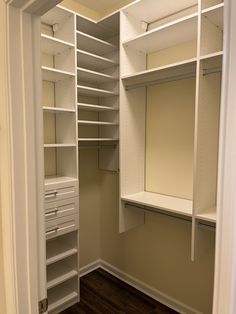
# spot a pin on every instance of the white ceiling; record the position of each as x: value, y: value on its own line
x: 101, y: 6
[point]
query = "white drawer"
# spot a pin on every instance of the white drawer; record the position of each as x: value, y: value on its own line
x: 54, y: 210
x: 60, y: 226
x: 60, y: 191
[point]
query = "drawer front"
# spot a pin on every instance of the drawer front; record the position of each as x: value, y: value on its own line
x: 67, y: 207
x: 61, y: 191
x: 60, y: 226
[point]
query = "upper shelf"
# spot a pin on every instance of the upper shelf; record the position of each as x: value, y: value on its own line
x: 89, y: 76
x: 165, y: 36
x: 184, y: 69
x: 153, y: 10
x: 94, y: 92
x: 93, y: 44
x: 57, y: 110
x: 215, y: 15
x: 162, y: 202
x: 54, y: 46
x: 55, y: 75
x: 56, y: 16
x: 91, y: 61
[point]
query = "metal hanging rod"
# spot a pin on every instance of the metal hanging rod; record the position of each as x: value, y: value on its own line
x: 162, y: 81
x: 172, y: 215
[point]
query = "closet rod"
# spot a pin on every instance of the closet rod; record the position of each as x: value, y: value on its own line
x: 162, y: 81
x: 172, y: 215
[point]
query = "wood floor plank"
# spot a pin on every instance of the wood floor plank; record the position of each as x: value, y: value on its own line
x: 102, y: 293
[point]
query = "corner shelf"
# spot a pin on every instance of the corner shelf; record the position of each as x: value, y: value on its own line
x: 53, y: 46
x: 59, y: 273
x: 168, y: 35
x: 94, y: 92
x: 57, y: 110
x: 90, y: 76
x: 89, y: 60
x: 88, y: 122
x: 163, y: 202
x: 91, y: 107
x: 55, y: 75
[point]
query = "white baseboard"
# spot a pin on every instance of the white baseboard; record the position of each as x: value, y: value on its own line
x: 139, y: 285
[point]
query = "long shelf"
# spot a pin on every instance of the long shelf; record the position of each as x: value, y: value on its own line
x: 57, y: 110
x: 59, y: 273
x: 59, y: 297
x: 97, y: 139
x: 89, y: 122
x: 90, y: 76
x: 162, y: 202
x: 58, y: 145
x: 54, y: 46
x: 89, y: 60
x: 93, y: 44
x: 166, y: 73
x: 91, y: 107
x: 55, y: 75
x: 168, y: 35
x: 94, y: 92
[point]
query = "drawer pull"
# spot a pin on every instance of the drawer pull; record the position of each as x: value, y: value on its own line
x: 51, y: 213
x: 50, y: 232
x: 51, y: 194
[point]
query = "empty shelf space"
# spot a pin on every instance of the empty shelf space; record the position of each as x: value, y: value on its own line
x: 94, y: 92
x: 208, y: 216
x: 58, y: 145
x: 59, y: 297
x: 57, y: 110
x: 162, y: 74
x: 58, y: 273
x: 162, y: 202
x: 93, y: 44
x: 90, y: 76
x: 55, y: 75
x: 53, y: 46
x: 91, y: 107
x: 96, y: 122
x: 215, y: 15
x: 88, y: 60
x: 97, y: 139
x: 168, y: 35
x: 57, y: 250
x: 58, y: 179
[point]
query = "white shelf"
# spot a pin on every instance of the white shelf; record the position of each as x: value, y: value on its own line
x: 208, y: 216
x: 165, y: 73
x: 89, y: 60
x: 58, y: 273
x: 97, y: 139
x: 162, y: 202
x: 60, y: 296
x: 53, y: 46
x: 212, y: 55
x: 58, y: 145
x: 55, y: 75
x: 89, y: 122
x: 58, y: 179
x: 215, y: 15
x: 153, y: 10
x: 214, y: 7
x: 90, y: 76
x: 58, y: 251
x: 94, y: 92
x: 56, y: 16
x: 57, y: 110
x: 91, y: 107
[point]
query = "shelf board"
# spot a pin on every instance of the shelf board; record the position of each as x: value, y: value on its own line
x: 57, y: 110
x: 97, y: 139
x: 212, y: 55
x: 59, y: 251
x: 55, y: 75
x: 215, y: 15
x: 152, y: 10
x: 90, y: 76
x: 93, y: 44
x: 89, y: 122
x: 54, y: 46
x: 56, y: 16
x: 94, y: 92
x: 163, y: 202
x: 208, y: 216
x: 162, y: 74
x: 58, y: 179
x: 91, y: 107
x: 59, y: 297
x: 165, y: 36
x: 58, y: 145
x: 89, y: 60
x: 59, y: 273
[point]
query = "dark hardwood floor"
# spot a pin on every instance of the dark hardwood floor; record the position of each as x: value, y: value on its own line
x: 102, y: 293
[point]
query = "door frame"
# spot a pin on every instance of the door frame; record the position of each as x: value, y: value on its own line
x: 21, y: 164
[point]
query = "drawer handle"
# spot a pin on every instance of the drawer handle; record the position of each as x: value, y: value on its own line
x: 51, y: 194
x: 51, y: 212
x: 50, y: 232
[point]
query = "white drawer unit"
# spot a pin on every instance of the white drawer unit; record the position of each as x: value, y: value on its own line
x: 60, y: 226
x: 67, y: 207
x: 60, y: 190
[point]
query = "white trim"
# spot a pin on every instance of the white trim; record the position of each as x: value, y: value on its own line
x: 89, y: 267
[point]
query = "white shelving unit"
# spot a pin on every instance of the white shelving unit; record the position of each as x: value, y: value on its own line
x: 60, y: 157
x: 171, y: 62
